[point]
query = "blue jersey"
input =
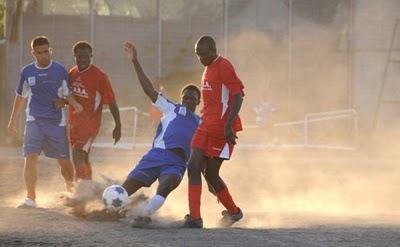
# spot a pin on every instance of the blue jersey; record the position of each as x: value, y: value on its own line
x: 176, y: 127
x: 42, y: 86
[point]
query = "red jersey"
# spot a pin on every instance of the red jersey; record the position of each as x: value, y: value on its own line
x: 219, y: 84
x: 92, y: 89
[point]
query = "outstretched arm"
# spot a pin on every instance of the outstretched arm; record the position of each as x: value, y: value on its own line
x: 145, y: 82
x: 117, y: 129
x: 236, y: 105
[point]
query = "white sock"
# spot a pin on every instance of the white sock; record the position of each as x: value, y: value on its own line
x: 153, y: 205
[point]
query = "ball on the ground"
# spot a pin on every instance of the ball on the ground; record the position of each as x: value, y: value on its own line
x: 115, y: 198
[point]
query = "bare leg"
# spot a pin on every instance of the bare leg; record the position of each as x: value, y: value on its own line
x: 132, y: 185
x: 67, y: 171
x: 30, y: 175
x: 167, y: 184
x: 81, y: 170
x: 221, y: 190
x: 211, y: 174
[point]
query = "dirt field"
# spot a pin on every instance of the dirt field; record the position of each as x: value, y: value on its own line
x: 290, y: 198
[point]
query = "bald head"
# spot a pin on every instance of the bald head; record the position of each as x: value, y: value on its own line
x: 206, y: 50
x: 207, y: 41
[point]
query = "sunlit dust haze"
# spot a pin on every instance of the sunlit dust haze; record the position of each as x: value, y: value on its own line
x: 276, y: 185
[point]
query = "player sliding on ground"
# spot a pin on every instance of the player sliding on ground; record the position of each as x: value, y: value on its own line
x: 167, y: 159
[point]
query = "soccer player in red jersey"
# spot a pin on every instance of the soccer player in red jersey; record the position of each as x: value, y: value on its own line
x: 215, y: 137
x: 91, y: 88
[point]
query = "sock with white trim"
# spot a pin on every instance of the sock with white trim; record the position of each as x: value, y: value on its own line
x: 153, y: 205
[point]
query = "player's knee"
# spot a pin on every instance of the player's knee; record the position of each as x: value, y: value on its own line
x: 167, y: 185
x: 132, y: 185
x: 211, y: 176
x: 79, y: 157
x: 194, y: 168
x: 165, y: 190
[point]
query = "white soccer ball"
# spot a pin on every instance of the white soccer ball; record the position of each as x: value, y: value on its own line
x: 115, y: 198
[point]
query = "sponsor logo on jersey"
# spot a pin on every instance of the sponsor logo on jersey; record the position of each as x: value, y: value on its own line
x: 31, y: 81
x: 79, y: 90
x: 206, y: 86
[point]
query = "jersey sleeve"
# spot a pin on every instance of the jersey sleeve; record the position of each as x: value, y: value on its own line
x: 164, y: 105
x: 107, y: 91
x: 231, y: 80
x: 23, y: 87
x: 65, y: 88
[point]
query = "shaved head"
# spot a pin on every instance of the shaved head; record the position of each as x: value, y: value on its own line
x: 206, y: 50
x: 207, y: 41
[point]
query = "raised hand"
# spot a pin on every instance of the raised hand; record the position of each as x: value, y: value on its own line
x: 130, y: 50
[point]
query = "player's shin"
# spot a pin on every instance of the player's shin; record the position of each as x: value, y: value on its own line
x: 88, y: 171
x: 153, y: 205
x: 80, y: 172
x: 30, y: 175
x: 67, y: 171
x: 195, y: 200
x: 226, y: 199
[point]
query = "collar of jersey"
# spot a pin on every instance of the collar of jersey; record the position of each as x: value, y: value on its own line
x: 48, y: 66
x: 83, y: 71
x: 215, y: 59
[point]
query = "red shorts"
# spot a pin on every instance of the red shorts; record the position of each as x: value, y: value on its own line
x: 81, y: 139
x: 213, y: 144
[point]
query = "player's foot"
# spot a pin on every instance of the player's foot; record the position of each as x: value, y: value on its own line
x: 229, y: 219
x: 140, y: 221
x: 73, y: 202
x: 27, y: 203
x: 103, y: 215
x: 190, y: 222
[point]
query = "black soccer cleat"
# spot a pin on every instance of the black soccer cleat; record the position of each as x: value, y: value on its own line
x: 190, y: 222
x: 229, y: 219
x: 140, y: 221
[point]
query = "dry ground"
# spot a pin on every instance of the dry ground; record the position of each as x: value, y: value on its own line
x: 290, y: 198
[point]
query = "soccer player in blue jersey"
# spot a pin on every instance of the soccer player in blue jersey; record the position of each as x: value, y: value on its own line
x: 167, y: 159
x: 41, y: 83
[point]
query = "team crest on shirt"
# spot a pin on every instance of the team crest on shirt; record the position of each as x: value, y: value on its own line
x: 31, y: 81
x: 79, y: 90
x: 182, y: 111
x: 206, y: 86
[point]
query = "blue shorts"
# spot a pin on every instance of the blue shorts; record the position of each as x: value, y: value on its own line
x: 156, y: 163
x: 48, y: 136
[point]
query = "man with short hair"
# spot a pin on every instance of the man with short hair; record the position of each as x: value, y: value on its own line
x: 215, y: 138
x: 167, y: 159
x: 41, y: 83
x: 92, y: 89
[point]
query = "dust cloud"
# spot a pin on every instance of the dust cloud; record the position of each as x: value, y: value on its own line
x: 276, y: 188
x: 281, y: 187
